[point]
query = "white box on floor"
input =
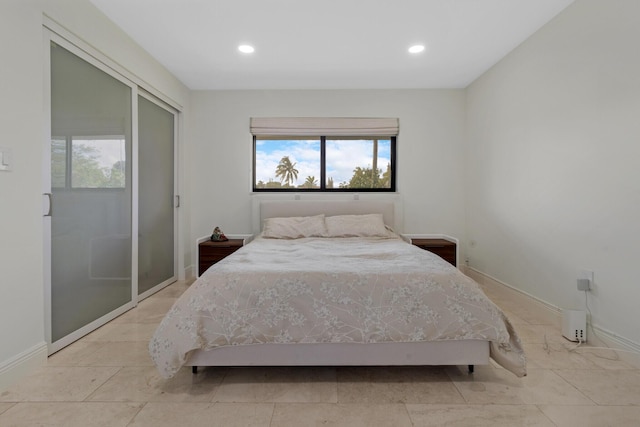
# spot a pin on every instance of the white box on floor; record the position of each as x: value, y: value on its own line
x: 574, y: 325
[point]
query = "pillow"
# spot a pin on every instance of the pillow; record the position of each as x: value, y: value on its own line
x: 294, y: 227
x: 369, y: 225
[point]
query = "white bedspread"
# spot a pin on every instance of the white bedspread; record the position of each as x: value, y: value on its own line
x: 316, y: 290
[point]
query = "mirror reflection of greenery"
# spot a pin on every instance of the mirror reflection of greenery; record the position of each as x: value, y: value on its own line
x: 86, y: 171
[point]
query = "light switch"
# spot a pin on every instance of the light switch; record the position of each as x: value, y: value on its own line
x: 5, y: 159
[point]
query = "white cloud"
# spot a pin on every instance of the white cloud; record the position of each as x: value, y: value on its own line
x: 344, y: 157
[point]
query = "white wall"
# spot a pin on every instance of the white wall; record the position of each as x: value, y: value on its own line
x: 553, y: 162
x: 21, y: 292
x: 429, y: 149
x: 21, y: 120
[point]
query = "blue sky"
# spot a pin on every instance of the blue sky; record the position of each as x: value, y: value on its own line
x: 343, y: 156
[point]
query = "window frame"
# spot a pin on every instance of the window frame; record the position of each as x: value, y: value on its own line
x: 323, y: 166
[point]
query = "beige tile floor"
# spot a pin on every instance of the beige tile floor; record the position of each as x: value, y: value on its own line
x: 107, y: 379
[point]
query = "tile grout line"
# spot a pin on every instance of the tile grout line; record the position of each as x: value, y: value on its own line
x: 101, y: 385
x: 136, y: 414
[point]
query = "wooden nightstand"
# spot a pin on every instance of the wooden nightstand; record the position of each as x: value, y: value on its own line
x: 445, y: 249
x: 210, y: 252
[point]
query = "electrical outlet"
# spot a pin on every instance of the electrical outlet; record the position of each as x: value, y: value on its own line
x: 585, y: 274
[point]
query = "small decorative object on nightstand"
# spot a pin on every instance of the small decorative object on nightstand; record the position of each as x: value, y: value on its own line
x: 218, y: 235
x: 445, y: 249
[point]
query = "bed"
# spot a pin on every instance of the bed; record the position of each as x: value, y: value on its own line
x: 332, y: 284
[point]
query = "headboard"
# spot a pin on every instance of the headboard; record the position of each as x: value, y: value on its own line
x: 288, y: 208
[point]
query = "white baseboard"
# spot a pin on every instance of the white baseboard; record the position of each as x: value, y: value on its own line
x: 630, y: 350
x: 485, y: 278
x: 189, y: 272
x: 21, y: 365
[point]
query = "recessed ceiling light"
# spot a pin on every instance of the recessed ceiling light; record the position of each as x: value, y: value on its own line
x: 416, y: 48
x: 245, y: 48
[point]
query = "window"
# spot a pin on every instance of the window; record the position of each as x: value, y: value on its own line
x: 329, y: 162
x: 286, y: 163
x: 355, y: 163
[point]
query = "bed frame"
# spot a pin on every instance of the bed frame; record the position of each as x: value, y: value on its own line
x: 464, y: 352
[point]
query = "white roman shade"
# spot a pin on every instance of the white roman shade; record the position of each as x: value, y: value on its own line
x: 324, y: 126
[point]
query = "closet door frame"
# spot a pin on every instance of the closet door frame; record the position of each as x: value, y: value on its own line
x: 53, y: 32
x: 79, y: 333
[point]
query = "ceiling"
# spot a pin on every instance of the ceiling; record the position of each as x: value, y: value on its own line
x: 329, y: 44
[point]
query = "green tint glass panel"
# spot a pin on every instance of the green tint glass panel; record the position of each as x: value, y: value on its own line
x: 156, y: 245
x: 91, y: 220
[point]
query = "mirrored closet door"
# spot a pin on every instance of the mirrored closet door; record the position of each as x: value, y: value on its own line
x: 91, y: 194
x: 157, y: 200
x: 110, y: 189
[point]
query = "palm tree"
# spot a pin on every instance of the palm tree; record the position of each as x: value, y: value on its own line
x: 310, y: 182
x: 286, y: 171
